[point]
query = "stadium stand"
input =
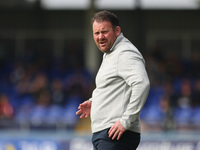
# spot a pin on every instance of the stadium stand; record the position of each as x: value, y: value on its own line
x: 34, y: 97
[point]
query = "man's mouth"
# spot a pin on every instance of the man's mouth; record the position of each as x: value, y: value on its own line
x: 102, y: 43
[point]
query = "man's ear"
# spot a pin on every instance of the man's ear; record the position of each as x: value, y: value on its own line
x: 117, y: 30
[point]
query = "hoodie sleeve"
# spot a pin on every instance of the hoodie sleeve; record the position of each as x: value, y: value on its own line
x: 131, y: 68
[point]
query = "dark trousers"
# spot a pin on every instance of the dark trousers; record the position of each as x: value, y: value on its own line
x: 128, y: 141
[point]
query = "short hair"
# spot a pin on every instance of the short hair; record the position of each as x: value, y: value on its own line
x: 106, y: 16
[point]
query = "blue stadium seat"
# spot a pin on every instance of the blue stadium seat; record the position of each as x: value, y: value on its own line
x: 54, y: 115
x: 182, y: 116
x: 196, y: 117
x: 38, y: 115
x: 152, y: 115
x: 69, y: 116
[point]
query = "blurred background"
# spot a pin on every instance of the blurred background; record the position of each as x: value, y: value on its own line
x: 48, y: 62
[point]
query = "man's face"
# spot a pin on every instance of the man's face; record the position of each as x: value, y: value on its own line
x: 104, y: 35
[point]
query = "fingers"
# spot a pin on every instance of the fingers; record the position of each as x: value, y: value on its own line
x: 80, y: 106
x: 115, y: 134
x: 82, y: 114
x: 84, y: 109
x: 119, y: 135
x: 78, y: 112
x: 116, y: 131
x: 84, y: 104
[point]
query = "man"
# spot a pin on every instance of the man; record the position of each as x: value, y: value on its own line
x: 122, y: 86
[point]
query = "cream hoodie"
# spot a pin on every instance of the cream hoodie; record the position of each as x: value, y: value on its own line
x: 122, y: 87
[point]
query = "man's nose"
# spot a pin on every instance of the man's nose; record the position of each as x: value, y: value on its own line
x: 101, y: 36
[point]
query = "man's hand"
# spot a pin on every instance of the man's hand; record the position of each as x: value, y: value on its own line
x: 116, y: 130
x: 84, y: 109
